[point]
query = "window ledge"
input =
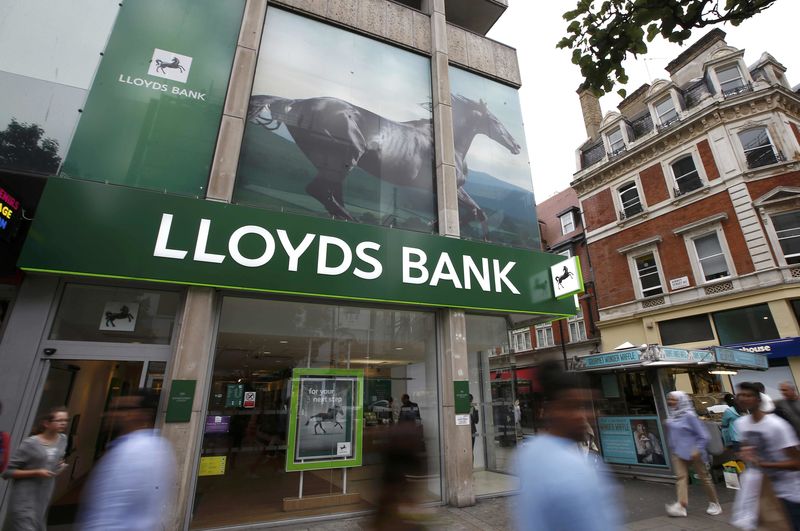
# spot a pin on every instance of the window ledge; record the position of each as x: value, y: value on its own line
x: 641, y: 215
x: 781, y: 164
x: 705, y: 189
x: 700, y: 223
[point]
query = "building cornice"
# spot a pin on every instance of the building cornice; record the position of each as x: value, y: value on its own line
x: 651, y: 148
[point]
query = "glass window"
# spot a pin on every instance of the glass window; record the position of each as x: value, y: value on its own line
x: 544, y: 335
x: 686, y: 176
x: 521, y: 339
x: 565, y: 253
x: 616, y: 142
x: 686, y: 330
x: 577, y: 327
x: 758, y: 148
x: 743, y: 325
x: 115, y: 314
x: 647, y: 272
x: 567, y: 223
x: 629, y: 200
x: 624, y: 393
x: 712, y: 260
x: 665, y: 109
x: 502, y: 404
x: 259, y: 343
x: 704, y: 389
x: 730, y: 79
x: 787, y: 227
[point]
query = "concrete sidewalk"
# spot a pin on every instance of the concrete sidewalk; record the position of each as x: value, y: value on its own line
x: 643, y: 504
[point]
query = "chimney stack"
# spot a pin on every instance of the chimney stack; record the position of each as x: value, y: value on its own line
x: 590, y: 107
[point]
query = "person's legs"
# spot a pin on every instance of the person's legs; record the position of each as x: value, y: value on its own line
x: 793, y: 512
x: 702, y: 473
x: 682, y: 483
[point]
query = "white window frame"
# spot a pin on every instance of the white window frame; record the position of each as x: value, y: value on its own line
x: 618, y: 199
x: 697, y: 270
x: 578, y: 323
x: 547, y: 331
x: 521, y: 340
x: 698, y: 166
x: 749, y: 127
x: 623, y: 138
x: 570, y: 217
x: 634, y: 271
x: 774, y: 237
x: 675, y: 107
x: 743, y: 76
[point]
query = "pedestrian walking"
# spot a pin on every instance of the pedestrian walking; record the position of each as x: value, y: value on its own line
x: 5, y: 447
x: 789, y: 408
x: 770, y: 447
x: 32, y: 469
x: 560, y: 490
x: 131, y: 487
x: 687, y: 439
x: 729, y: 435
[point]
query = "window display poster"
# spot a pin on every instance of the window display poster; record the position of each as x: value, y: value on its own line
x: 632, y: 441
x: 217, y: 423
x: 325, y: 425
x: 234, y: 395
x: 213, y: 465
x: 119, y: 316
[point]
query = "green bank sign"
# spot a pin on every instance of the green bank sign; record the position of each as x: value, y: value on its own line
x: 93, y: 229
x: 152, y: 115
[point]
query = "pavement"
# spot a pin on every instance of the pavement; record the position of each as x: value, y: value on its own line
x: 643, y: 502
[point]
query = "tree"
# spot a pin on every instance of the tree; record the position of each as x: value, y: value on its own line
x: 601, y: 33
x: 22, y: 147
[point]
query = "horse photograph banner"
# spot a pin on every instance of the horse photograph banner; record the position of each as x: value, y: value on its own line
x: 154, y: 110
x: 325, y: 421
x: 495, y: 190
x: 339, y: 126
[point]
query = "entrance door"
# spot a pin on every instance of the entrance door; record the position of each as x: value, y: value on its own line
x: 86, y: 388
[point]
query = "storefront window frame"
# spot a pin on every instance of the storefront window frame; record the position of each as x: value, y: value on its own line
x: 209, y: 376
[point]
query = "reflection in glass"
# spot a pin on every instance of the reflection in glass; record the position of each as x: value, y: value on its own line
x: 339, y: 126
x: 258, y: 344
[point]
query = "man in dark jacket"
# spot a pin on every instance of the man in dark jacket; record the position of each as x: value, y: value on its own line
x: 789, y: 407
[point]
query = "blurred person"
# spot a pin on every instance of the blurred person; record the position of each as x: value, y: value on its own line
x: 33, y: 468
x: 473, y: 421
x: 559, y: 489
x: 767, y: 405
x: 687, y: 438
x: 395, y: 410
x: 402, y: 462
x: 769, y: 445
x: 409, y: 411
x: 131, y: 487
x: 5, y: 446
x: 730, y: 437
x: 789, y: 408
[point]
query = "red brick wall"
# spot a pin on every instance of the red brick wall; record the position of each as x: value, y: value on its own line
x: 712, y: 172
x: 615, y: 285
x: 795, y: 130
x: 761, y: 187
x: 654, y: 185
x: 599, y: 210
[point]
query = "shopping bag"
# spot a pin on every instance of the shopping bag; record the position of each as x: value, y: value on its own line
x: 731, y: 471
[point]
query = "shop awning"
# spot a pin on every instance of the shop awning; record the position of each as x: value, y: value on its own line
x: 657, y: 356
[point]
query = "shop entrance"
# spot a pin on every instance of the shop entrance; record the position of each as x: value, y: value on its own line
x: 86, y: 388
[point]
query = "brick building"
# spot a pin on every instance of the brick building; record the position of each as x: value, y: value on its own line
x: 690, y: 193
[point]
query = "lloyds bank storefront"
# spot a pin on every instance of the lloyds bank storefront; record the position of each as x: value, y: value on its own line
x: 246, y: 209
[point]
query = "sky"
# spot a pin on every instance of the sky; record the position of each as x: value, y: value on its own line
x: 551, y: 112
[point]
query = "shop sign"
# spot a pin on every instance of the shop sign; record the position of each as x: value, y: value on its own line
x: 684, y: 356
x: 777, y: 348
x: 567, y: 277
x: 153, y: 112
x: 119, y: 316
x: 740, y: 358
x: 10, y: 215
x: 326, y: 419
x: 463, y: 405
x: 109, y: 231
x: 217, y: 423
x: 608, y: 359
x: 181, y: 398
x: 632, y: 441
x: 234, y: 395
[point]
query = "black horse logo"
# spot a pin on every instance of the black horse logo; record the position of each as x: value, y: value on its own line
x: 175, y: 63
x: 329, y: 416
x: 123, y: 313
x: 563, y: 276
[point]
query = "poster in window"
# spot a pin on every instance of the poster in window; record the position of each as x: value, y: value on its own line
x: 325, y: 425
x: 632, y: 441
x: 119, y: 316
x: 495, y: 190
x: 339, y: 126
